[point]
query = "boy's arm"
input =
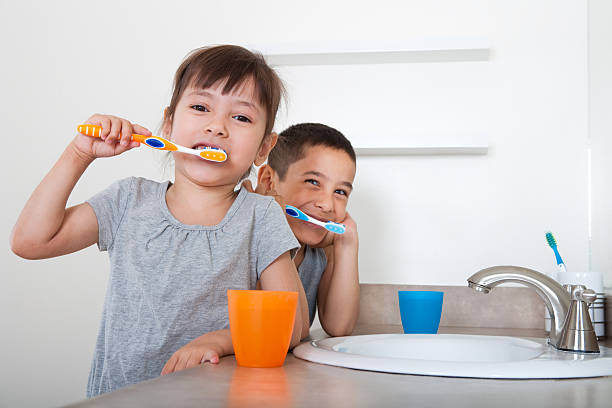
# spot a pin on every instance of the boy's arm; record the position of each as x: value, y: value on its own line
x: 282, y: 275
x: 338, y: 294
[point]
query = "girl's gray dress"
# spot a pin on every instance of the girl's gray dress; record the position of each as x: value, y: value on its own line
x: 168, y: 281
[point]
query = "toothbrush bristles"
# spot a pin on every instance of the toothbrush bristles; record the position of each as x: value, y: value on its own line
x: 550, y: 239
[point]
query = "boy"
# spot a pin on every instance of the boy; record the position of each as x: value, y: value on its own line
x: 312, y: 167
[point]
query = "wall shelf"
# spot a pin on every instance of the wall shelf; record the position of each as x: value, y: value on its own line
x: 388, y: 52
x: 423, y: 151
x: 429, y: 145
x: 376, y: 52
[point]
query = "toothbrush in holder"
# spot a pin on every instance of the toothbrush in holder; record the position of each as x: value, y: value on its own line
x: 553, y: 244
x: 329, y: 225
x: 159, y: 143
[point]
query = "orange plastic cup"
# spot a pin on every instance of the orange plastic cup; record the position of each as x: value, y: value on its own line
x: 261, y: 323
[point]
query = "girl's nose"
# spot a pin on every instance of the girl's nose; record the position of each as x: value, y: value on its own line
x: 216, y: 128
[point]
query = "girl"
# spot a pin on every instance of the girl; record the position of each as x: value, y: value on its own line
x: 175, y: 248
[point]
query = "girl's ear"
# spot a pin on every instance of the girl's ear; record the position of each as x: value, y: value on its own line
x: 265, y: 180
x: 167, y: 126
x: 266, y: 147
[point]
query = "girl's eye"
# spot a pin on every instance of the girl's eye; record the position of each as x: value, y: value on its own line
x: 242, y: 118
x: 341, y: 192
x: 200, y: 108
x: 313, y: 182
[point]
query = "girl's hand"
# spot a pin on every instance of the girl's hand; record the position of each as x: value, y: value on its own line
x: 208, y: 347
x: 116, y: 137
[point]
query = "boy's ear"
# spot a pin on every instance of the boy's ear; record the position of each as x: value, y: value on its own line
x: 266, y: 147
x: 265, y: 180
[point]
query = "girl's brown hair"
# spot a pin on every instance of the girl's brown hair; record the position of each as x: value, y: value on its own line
x: 234, y: 65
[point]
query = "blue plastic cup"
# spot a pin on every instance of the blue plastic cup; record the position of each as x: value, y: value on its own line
x: 420, y: 310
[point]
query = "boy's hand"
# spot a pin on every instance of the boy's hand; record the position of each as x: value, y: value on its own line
x: 349, y: 237
x: 116, y: 137
x: 338, y: 293
x: 208, y: 347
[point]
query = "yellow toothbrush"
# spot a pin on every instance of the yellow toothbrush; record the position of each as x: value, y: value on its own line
x: 208, y: 153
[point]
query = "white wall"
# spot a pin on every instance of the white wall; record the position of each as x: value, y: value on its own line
x: 422, y: 220
x: 600, y: 129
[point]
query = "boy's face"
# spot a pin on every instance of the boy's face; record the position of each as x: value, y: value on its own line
x: 319, y: 184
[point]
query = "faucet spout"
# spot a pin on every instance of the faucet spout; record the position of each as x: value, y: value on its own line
x: 555, y: 297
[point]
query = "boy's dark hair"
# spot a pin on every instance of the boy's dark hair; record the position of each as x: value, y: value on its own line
x: 235, y: 65
x: 293, y: 141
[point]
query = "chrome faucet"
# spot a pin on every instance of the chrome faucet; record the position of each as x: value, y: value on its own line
x: 571, y: 327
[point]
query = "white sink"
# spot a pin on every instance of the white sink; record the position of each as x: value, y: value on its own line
x: 456, y: 355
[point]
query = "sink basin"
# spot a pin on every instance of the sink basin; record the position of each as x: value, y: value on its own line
x: 456, y: 355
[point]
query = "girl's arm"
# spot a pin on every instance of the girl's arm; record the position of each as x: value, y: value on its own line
x: 303, y: 302
x: 338, y: 294
x: 303, y: 306
x: 279, y: 275
x: 45, y: 228
x: 282, y: 275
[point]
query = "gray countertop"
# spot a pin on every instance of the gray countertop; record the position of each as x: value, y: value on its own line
x: 303, y: 384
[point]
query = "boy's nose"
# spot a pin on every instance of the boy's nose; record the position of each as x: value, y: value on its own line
x: 325, y: 203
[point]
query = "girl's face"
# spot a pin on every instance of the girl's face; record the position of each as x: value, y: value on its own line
x: 319, y: 184
x: 234, y: 122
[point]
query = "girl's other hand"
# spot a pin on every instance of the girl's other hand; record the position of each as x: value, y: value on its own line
x: 202, y: 349
x: 116, y: 137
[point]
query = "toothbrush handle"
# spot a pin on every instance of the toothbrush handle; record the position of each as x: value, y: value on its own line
x: 155, y: 142
x: 96, y: 131
x: 558, y: 256
x: 335, y: 227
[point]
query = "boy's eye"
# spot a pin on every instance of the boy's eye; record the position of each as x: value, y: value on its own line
x: 200, y: 108
x: 242, y: 118
x: 313, y: 182
x: 341, y: 192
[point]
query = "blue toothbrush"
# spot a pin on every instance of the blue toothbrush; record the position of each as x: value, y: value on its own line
x: 553, y: 244
x: 329, y: 225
